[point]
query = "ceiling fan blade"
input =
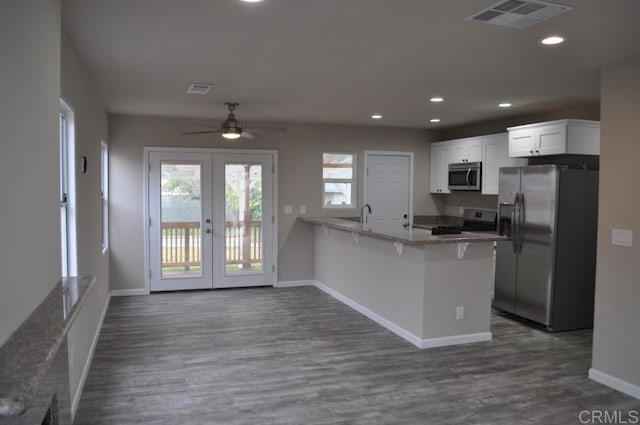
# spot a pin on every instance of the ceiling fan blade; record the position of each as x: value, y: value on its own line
x: 264, y: 129
x: 247, y: 135
x: 201, y: 124
x: 191, y: 133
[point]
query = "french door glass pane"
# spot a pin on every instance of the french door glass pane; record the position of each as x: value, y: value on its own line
x: 181, y: 218
x: 243, y: 219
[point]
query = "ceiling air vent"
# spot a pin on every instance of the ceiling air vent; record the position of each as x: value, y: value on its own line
x: 518, y: 13
x: 199, y: 88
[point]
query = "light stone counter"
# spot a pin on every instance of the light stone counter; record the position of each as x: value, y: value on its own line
x: 417, y: 236
x: 31, y: 351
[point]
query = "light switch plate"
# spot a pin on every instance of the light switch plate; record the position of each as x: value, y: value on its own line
x: 622, y: 237
x: 288, y: 209
x: 303, y: 209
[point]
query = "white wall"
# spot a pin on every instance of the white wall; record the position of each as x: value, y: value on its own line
x: 300, y: 172
x: 616, y: 345
x: 91, y: 124
x: 29, y: 176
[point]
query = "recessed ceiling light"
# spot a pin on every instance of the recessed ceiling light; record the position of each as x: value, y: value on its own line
x: 504, y: 105
x: 551, y: 41
x: 436, y: 99
x: 376, y: 116
x: 434, y: 120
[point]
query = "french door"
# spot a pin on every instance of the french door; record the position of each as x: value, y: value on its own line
x: 211, y: 219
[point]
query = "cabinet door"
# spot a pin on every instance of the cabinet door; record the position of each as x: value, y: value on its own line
x: 439, y: 168
x: 495, y: 150
x: 551, y: 140
x: 458, y: 152
x: 495, y: 154
x: 466, y: 150
x: 522, y: 143
x: 474, y: 151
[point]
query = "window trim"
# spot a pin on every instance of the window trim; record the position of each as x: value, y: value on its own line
x: 104, y: 194
x: 68, y: 224
x: 353, y: 181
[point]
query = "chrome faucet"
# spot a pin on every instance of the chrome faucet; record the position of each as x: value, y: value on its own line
x: 362, y: 216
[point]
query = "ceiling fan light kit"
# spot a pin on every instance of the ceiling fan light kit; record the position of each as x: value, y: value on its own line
x: 231, y: 128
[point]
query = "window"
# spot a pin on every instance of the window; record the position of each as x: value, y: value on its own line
x: 104, y: 193
x: 67, y: 191
x: 338, y: 180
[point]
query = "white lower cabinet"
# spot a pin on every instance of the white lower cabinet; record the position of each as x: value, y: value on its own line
x: 495, y: 154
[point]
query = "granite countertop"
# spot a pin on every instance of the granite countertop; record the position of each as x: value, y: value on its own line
x: 29, y: 352
x: 417, y: 236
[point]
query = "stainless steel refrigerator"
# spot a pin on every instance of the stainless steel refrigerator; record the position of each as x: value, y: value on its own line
x: 546, y: 271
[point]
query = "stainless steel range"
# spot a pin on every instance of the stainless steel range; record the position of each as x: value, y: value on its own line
x: 473, y: 221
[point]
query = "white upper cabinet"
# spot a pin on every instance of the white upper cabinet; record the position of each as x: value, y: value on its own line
x: 495, y: 154
x: 439, y: 168
x: 466, y: 150
x: 555, y: 138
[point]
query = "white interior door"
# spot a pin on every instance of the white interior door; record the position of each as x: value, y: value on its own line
x: 211, y: 221
x: 389, y: 188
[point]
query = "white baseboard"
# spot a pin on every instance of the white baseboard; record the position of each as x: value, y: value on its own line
x: 85, y: 371
x: 128, y: 292
x: 400, y: 331
x: 455, y: 340
x: 294, y: 283
x: 615, y: 383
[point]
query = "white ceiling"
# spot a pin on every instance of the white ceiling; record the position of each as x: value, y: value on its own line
x: 339, y: 61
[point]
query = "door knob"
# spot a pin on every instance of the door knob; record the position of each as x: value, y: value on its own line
x: 208, y: 221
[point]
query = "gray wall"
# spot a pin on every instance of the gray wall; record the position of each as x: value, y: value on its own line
x: 300, y: 173
x: 91, y: 128
x: 616, y: 346
x: 29, y: 204
x: 586, y: 112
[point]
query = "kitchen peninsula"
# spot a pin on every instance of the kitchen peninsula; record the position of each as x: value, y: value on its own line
x: 432, y: 290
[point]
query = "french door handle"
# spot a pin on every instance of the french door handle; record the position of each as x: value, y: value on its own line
x: 207, y: 230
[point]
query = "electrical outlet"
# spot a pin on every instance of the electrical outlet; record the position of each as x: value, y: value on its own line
x: 288, y: 209
x: 460, y: 312
x: 622, y: 237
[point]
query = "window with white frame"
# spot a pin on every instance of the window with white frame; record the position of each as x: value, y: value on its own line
x: 339, y: 180
x: 67, y: 191
x: 104, y: 193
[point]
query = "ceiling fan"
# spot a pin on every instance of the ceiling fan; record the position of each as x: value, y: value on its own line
x: 231, y: 128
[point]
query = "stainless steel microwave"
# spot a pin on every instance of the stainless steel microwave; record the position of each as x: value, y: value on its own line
x: 465, y: 176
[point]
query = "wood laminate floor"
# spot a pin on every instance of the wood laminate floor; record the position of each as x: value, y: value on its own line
x: 298, y: 357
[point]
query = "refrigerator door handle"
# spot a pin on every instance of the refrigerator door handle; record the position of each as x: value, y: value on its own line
x: 514, y: 225
x: 520, y: 221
